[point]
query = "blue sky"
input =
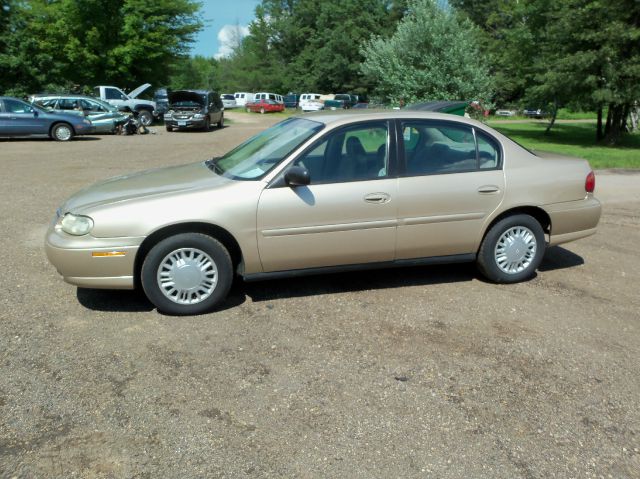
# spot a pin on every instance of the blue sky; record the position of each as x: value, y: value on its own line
x: 221, y: 18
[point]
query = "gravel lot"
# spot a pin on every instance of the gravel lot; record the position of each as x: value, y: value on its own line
x: 423, y: 372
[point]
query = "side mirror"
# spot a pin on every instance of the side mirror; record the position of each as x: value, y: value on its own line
x: 297, y: 176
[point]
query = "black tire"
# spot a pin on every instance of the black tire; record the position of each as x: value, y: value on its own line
x: 145, y: 117
x: 182, y: 244
x: 62, y: 132
x: 521, y: 257
x: 207, y: 124
x: 169, y: 129
x: 220, y: 124
x: 262, y: 110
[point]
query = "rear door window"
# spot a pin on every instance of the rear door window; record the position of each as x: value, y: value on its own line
x: 438, y: 148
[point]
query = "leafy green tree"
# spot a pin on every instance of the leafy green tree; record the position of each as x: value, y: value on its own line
x: 575, y: 53
x: 309, y: 44
x: 432, y: 55
x: 70, y: 43
x: 195, y: 73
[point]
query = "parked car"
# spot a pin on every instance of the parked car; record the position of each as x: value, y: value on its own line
x: 534, y: 113
x: 440, y: 106
x: 145, y: 109
x: 291, y: 100
x: 104, y: 118
x: 341, y: 101
x: 243, y: 97
x: 194, y: 109
x: 160, y: 96
x: 19, y: 118
x: 505, y: 113
x: 311, y: 102
x: 268, y: 96
x: 264, y: 106
x: 325, y: 193
x: 228, y: 101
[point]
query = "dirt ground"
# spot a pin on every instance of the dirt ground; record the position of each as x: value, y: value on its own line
x: 421, y: 372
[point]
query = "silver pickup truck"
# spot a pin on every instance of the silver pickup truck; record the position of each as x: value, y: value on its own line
x: 145, y: 109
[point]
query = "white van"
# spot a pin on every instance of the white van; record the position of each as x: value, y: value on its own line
x: 269, y: 96
x: 242, y: 98
x: 311, y: 102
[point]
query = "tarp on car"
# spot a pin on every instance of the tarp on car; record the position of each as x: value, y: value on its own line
x: 451, y: 107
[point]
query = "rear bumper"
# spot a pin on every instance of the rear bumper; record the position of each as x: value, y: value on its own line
x: 573, y: 220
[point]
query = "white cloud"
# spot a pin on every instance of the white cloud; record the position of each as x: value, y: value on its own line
x: 229, y: 38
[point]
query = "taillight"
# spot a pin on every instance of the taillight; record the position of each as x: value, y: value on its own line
x: 590, y: 182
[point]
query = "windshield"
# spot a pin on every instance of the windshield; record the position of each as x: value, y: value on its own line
x: 258, y: 155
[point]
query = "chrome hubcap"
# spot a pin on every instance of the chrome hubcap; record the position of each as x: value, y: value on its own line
x: 187, y: 276
x: 63, y: 133
x: 515, y: 249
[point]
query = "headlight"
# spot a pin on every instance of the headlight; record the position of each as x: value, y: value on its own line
x: 198, y: 116
x: 168, y: 113
x: 76, y: 225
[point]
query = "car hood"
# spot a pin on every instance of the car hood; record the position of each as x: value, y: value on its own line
x: 143, y: 184
x: 178, y: 96
x: 137, y: 91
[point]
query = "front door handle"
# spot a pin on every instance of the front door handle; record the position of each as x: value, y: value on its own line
x: 377, y: 198
x: 488, y: 189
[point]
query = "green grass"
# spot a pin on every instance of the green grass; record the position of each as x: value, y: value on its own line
x: 564, y: 114
x: 575, y: 139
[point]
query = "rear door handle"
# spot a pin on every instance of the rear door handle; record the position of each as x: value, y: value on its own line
x: 486, y: 189
x: 378, y: 198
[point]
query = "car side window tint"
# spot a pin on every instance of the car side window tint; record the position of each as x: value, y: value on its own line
x: 112, y: 94
x: 13, y: 106
x: 437, y: 148
x: 67, y: 104
x: 488, y: 151
x: 350, y: 154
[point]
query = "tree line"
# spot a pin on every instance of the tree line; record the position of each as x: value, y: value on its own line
x: 580, y: 54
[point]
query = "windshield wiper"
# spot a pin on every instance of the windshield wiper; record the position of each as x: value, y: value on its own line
x: 213, y: 165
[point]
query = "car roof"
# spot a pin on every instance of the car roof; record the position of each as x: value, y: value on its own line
x: 349, y: 116
x: 199, y: 92
x: 44, y: 95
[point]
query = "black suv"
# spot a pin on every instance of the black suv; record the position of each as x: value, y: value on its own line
x: 194, y: 109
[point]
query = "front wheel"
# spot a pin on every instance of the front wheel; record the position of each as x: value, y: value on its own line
x: 145, y: 117
x: 207, y: 124
x: 220, y: 124
x: 189, y: 273
x: 62, y: 132
x: 512, y: 249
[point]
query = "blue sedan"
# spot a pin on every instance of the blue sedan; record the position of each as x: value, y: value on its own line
x: 18, y: 118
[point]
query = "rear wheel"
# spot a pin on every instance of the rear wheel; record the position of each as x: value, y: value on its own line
x: 145, y: 117
x: 62, y: 132
x: 188, y: 273
x: 512, y: 249
x: 207, y: 124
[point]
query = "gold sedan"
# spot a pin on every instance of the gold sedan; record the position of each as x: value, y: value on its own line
x: 322, y: 193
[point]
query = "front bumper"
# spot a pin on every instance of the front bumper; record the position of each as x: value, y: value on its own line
x: 186, y: 124
x: 91, y: 262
